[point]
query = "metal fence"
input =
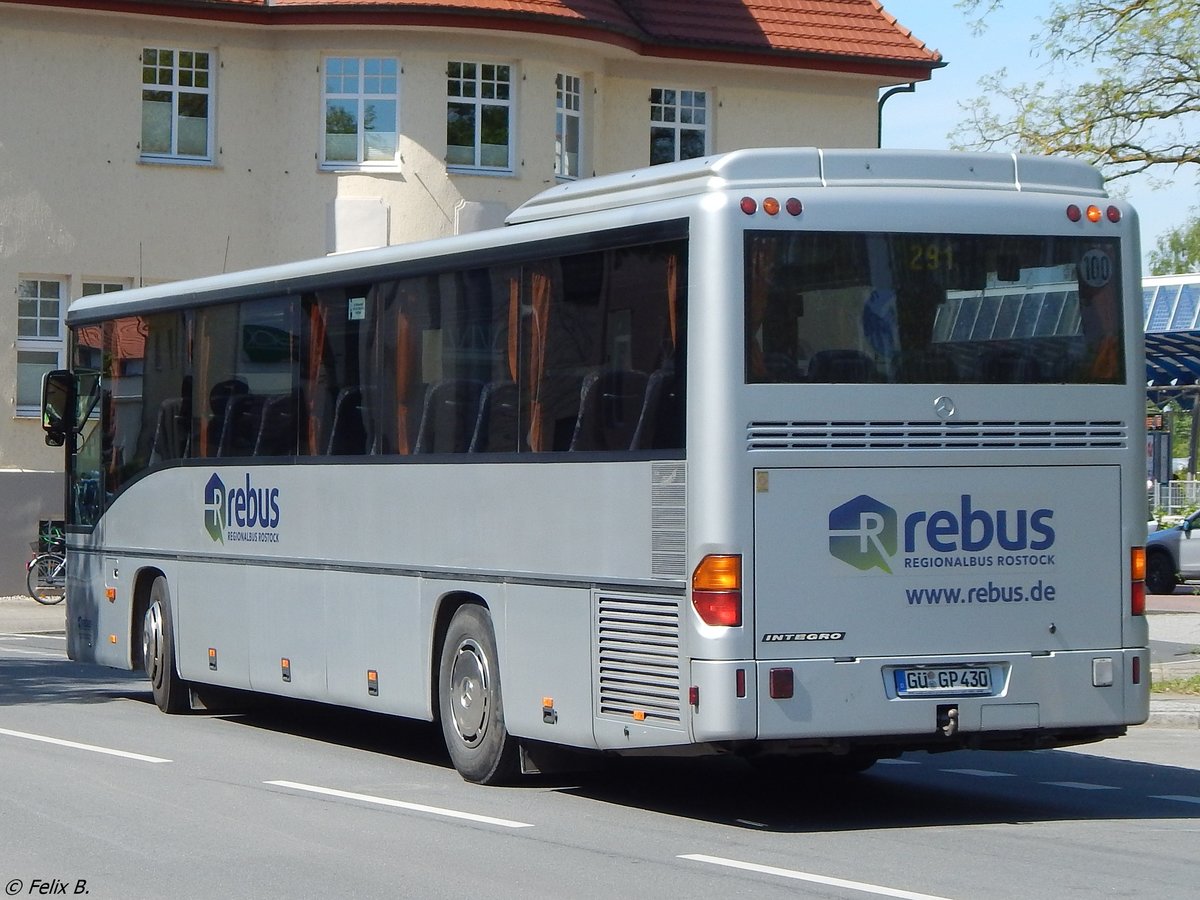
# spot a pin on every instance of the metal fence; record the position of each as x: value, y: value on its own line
x: 1175, y: 498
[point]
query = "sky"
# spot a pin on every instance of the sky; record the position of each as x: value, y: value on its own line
x: 923, y: 119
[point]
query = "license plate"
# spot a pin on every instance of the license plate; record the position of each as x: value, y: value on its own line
x: 947, y: 680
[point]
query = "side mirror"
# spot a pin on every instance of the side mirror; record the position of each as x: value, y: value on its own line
x: 58, y: 406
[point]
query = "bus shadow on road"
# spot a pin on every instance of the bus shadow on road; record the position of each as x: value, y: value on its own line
x: 30, y: 681
x: 419, y: 742
x: 919, y: 791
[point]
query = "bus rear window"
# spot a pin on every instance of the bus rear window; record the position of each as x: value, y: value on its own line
x: 836, y: 307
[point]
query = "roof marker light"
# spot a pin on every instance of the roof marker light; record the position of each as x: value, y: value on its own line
x: 1093, y: 213
x: 749, y: 206
x: 771, y: 206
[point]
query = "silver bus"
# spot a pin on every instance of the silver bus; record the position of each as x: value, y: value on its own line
x: 812, y: 457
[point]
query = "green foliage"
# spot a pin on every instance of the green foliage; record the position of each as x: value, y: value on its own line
x: 1178, y: 250
x: 1189, y: 685
x: 1122, y: 89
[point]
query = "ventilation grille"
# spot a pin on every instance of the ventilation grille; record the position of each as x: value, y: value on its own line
x: 930, y: 435
x: 668, y: 520
x: 639, y: 658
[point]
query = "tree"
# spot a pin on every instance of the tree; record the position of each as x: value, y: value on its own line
x: 1126, y: 94
x: 1179, y: 249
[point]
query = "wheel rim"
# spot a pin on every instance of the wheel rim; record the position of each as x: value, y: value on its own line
x: 152, y: 643
x: 468, y: 693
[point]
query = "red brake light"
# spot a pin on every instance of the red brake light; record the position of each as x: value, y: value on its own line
x: 1073, y: 213
x: 794, y: 206
x: 749, y: 206
x: 1114, y: 214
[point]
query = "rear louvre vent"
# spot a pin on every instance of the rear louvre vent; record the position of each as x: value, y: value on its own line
x: 928, y: 435
x: 638, y: 639
x: 668, y: 520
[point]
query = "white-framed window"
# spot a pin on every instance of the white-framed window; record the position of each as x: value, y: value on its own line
x: 479, y: 116
x: 41, y: 302
x: 568, y: 125
x: 95, y: 286
x: 678, y: 124
x: 362, y: 111
x: 177, y: 104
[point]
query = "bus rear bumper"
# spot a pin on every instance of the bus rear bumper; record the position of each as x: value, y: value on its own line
x: 1079, y: 695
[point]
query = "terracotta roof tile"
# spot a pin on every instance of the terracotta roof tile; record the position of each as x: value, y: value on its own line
x: 852, y: 28
x: 851, y: 35
x: 859, y: 28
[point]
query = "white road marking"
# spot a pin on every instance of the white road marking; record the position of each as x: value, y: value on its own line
x: 91, y: 748
x: 1082, y: 785
x: 862, y: 886
x: 23, y: 652
x: 400, y: 804
x: 1182, y: 798
x: 980, y: 773
x: 897, y: 762
x: 27, y: 635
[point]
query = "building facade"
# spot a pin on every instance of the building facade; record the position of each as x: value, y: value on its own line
x: 143, y: 142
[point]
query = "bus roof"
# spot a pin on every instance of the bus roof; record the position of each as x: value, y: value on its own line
x: 808, y: 167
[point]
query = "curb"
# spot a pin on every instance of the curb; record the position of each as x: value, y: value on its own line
x: 1174, y: 714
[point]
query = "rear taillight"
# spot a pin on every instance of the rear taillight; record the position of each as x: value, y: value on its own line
x: 1137, y: 577
x: 717, y: 590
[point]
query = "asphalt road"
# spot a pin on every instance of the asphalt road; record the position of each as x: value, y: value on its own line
x: 106, y: 797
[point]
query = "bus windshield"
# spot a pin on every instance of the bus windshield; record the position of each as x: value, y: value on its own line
x: 838, y: 307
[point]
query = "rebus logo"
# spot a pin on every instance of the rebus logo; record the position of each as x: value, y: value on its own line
x: 865, y: 533
x: 214, y: 508
x: 242, y: 513
x: 862, y: 533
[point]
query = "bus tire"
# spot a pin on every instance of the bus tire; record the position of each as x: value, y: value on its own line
x: 158, y: 652
x: 1160, y: 573
x: 470, y: 701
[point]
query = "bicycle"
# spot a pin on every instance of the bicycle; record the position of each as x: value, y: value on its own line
x: 46, y: 578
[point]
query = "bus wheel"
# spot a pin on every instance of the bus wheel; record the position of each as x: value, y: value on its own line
x: 1160, y: 573
x: 472, y: 711
x: 158, y: 652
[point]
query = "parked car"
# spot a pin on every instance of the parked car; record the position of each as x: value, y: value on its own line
x: 1173, y: 555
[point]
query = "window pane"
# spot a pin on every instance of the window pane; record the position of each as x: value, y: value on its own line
x: 494, y: 149
x: 691, y: 144
x: 570, y: 155
x: 156, y: 122
x: 379, y: 120
x: 193, y: 124
x: 31, y: 366
x: 929, y: 309
x: 662, y: 145
x: 460, y: 133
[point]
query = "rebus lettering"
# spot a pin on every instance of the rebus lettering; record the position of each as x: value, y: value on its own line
x: 973, y: 530
x: 252, y: 507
